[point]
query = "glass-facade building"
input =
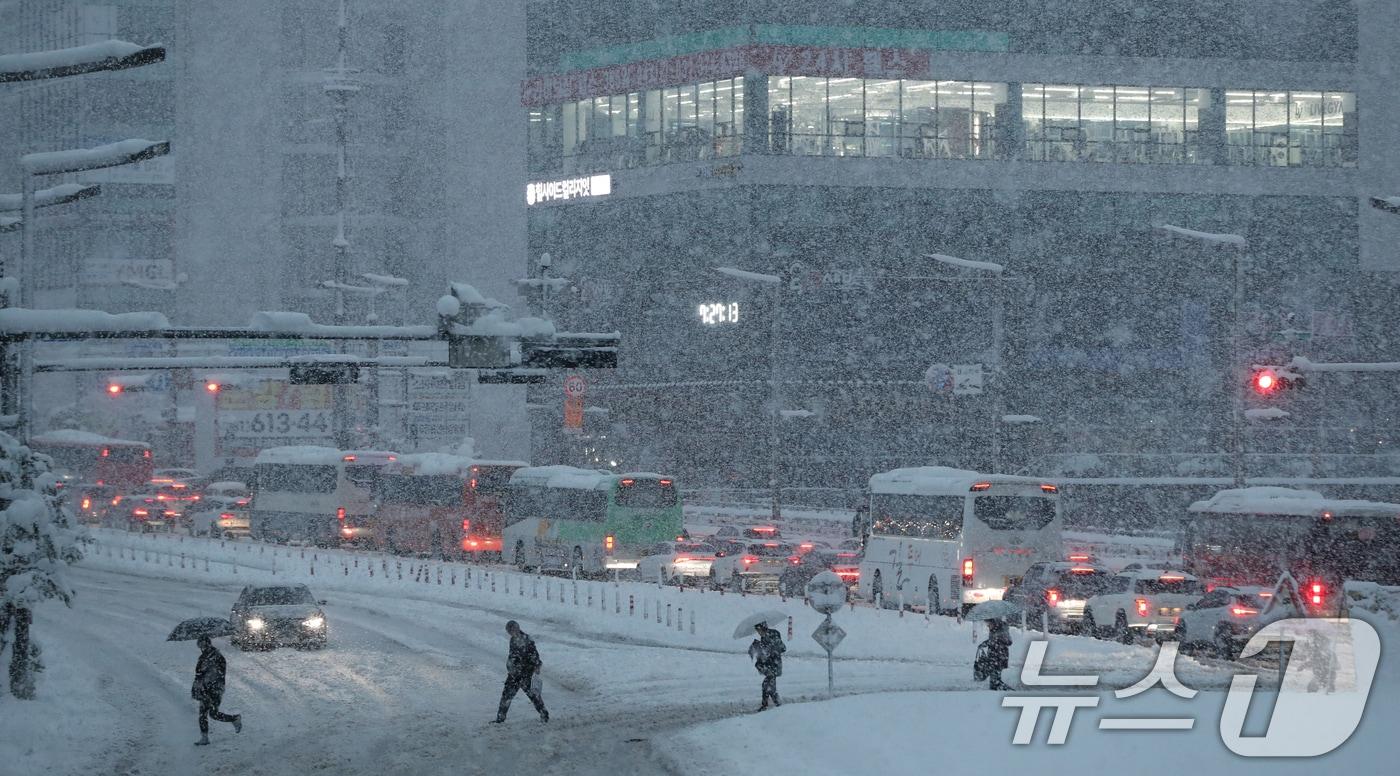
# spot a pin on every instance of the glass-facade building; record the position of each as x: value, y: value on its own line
x: 837, y: 155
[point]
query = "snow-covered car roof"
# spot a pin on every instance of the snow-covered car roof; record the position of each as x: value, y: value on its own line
x: 935, y: 480
x: 577, y: 479
x: 1273, y: 500
x: 1156, y: 573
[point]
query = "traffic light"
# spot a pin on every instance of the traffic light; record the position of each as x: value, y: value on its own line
x: 323, y: 374
x: 114, y: 389
x: 212, y: 386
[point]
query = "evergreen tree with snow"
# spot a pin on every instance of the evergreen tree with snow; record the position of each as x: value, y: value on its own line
x: 37, y: 542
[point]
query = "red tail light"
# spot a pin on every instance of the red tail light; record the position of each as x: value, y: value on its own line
x: 794, y: 559
x: 848, y: 574
x: 1243, y: 611
x: 349, y: 458
x: 1142, y: 607
x: 1316, y: 592
x: 226, y: 516
x: 466, y: 525
x: 87, y: 503
x: 340, y: 513
x: 139, y: 512
x: 748, y: 559
x: 681, y: 559
x: 472, y: 484
x: 977, y: 487
x: 171, y: 513
x: 1052, y: 597
x: 1079, y: 557
x: 967, y: 571
x: 665, y: 483
x: 106, y: 452
x: 1049, y: 488
x: 609, y: 542
x: 144, y: 453
x: 628, y: 482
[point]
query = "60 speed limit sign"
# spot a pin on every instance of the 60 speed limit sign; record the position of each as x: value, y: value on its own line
x: 574, y: 387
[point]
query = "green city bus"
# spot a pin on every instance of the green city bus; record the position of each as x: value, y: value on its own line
x: 561, y: 518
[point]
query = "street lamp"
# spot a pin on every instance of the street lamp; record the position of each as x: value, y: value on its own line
x: 107, y: 55
x: 775, y: 385
x: 60, y: 163
x: 1238, y: 369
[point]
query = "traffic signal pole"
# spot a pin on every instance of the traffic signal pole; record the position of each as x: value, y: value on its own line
x: 1239, y: 373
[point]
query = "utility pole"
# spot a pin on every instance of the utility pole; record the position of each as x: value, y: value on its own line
x: 341, y: 85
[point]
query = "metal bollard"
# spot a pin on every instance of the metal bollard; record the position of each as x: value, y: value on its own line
x: 680, y: 610
x: 575, y: 592
x: 590, y: 596
x: 692, y: 622
x: 617, y: 602
x: 182, y: 560
x: 658, y: 611
x: 631, y: 605
x: 668, y: 615
x: 493, y: 583
x: 789, y: 627
x: 646, y: 608
x: 534, y: 587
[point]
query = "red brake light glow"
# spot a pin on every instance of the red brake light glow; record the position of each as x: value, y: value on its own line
x: 211, y: 387
x: 87, y: 502
x: 665, y: 483
x: 681, y: 559
x: 627, y: 482
x: 1052, y: 597
x: 225, y: 515
x: 466, y: 525
x: 1082, y: 570
x: 340, y: 513
x: 1316, y: 592
x: 1142, y: 607
x: 794, y: 559
x: 140, y: 512
x: 1243, y: 611
x: 967, y: 569
x: 1079, y: 557
x: 114, y: 389
x: 145, y: 453
x: 749, y: 559
x: 1171, y: 578
x: 609, y: 542
x: 980, y: 486
x: 348, y: 458
x: 106, y: 452
x: 1048, y: 488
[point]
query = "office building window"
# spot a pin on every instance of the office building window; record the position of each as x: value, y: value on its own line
x: 1291, y: 129
x: 814, y: 116
x: 1126, y: 124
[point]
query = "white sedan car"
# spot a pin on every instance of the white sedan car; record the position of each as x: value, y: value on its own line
x: 757, y: 567
x: 1140, y: 601
x: 677, y: 563
x: 1226, y: 617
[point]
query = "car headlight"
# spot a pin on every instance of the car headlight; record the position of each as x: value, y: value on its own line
x: 255, y: 623
x: 314, y: 622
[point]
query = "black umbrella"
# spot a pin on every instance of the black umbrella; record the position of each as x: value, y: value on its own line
x: 195, y: 627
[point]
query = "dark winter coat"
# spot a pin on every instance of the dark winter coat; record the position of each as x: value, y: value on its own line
x: 209, y: 675
x: 998, y: 646
x: 767, y: 651
x: 524, y: 659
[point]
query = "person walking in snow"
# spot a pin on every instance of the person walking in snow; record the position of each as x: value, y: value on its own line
x: 994, y: 654
x: 767, y: 653
x: 522, y: 668
x: 208, y: 689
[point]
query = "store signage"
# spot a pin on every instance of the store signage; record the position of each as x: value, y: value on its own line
x: 569, y: 188
x: 116, y: 272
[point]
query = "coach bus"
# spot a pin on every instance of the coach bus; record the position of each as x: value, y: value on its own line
x: 92, y: 458
x: 1252, y: 536
x: 439, y: 505
x: 561, y: 518
x: 317, y: 495
x: 949, y: 538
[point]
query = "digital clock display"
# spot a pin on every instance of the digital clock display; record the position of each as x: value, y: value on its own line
x: 715, y: 313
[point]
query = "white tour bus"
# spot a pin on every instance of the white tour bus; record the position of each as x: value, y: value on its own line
x: 955, y: 537
x: 319, y: 495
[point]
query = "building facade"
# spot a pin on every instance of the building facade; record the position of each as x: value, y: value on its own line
x: 836, y: 149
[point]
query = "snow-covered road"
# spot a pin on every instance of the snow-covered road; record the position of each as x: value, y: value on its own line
x: 406, y: 686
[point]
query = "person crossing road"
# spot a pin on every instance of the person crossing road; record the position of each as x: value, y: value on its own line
x: 208, y: 689
x: 522, y: 672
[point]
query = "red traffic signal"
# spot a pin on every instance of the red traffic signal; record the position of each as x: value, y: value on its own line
x: 114, y: 388
x: 212, y: 386
x: 1265, y: 382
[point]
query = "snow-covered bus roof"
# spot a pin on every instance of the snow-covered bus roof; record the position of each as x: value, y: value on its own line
x: 299, y: 455
x: 430, y: 464
x: 575, y: 478
x: 1270, y: 500
x: 73, y: 436
x: 941, y: 480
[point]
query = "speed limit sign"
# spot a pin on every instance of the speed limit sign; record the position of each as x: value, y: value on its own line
x: 574, y: 387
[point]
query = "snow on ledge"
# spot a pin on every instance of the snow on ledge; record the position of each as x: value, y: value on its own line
x: 19, y: 319
x: 1020, y: 418
x: 42, y: 197
x: 1210, y: 237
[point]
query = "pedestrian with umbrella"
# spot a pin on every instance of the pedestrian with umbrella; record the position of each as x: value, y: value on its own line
x: 209, y: 671
x: 766, y: 650
x: 993, y: 654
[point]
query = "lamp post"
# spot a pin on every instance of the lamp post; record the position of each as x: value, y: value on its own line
x: 775, y: 385
x: 59, y: 163
x: 1238, y: 370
